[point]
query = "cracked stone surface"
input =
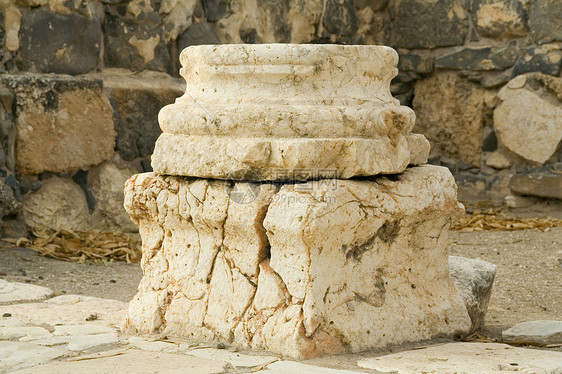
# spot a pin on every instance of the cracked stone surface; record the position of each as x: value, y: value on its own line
x: 287, y: 112
x: 299, y: 269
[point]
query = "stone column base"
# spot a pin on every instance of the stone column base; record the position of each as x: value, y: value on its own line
x: 300, y: 269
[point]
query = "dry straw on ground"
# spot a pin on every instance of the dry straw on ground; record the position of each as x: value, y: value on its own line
x: 93, y: 245
x: 494, y: 219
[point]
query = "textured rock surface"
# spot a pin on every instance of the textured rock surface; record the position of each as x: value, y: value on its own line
x: 17, y: 292
x: 62, y: 123
x: 542, y: 332
x: 61, y: 44
x: 489, y: 58
x: 313, y: 268
x: 450, y: 112
x: 528, y: 121
x: 58, y: 204
x: 467, y: 358
x: 137, y: 101
x: 500, y: 18
x: 258, y: 112
x: 430, y: 24
x: 474, y: 280
x: 545, y: 20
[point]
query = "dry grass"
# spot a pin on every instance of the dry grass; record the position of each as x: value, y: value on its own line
x: 493, y: 221
x: 93, y: 245
x: 101, y: 246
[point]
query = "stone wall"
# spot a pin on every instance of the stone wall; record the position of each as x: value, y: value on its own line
x: 83, y: 81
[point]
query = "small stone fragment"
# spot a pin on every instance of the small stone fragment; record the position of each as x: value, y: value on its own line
x: 541, y: 332
x: 498, y: 160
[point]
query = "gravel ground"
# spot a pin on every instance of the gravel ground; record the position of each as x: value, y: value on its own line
x: 528, y: 283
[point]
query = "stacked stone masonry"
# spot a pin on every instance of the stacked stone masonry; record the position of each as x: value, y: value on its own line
x: 456, y: 56
x: 264, y: 250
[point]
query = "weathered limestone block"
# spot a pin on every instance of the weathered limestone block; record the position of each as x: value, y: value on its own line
x: 276, y: 112
x: 62, y: 123
x: 299, y: 269
x: 528, y: 120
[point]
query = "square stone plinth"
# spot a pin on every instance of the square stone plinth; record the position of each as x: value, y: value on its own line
x: 298, y: 269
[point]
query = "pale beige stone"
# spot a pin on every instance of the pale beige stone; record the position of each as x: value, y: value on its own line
x: 467, y: 358
x: 528, y: 122
x: 498, y: 160
x: 334, y: 265
x: 62, y: 130
x: 58, y: 204
x: 286, y: 112
x: 130, y: 361
x: 11, y: 292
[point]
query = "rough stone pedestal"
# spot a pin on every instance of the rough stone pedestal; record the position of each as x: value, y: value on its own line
x: 299, y: 269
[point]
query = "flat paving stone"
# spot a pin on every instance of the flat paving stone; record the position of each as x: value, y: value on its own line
x: 542, y: 332
x: 84, y: 342
x: 23, y: 332
x: 131, y: 361
x: 154, y: 346
x: 70, y: 309
x: 284, y: 367
x: 83, y: 329
x: 17, y: 355
x: 467, y: 358
x: 13, y: 292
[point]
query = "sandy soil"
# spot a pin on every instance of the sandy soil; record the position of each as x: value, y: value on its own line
x: 528, y: 282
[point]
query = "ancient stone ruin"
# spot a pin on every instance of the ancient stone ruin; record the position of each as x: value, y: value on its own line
x: 289, y: 208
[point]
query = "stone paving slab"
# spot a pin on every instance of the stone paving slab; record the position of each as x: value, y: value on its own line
x: 57, y: 336
x: 461, y: 358
x: 11, y: 292
x: 132, y: 361
x: 15, y: 355
x: 542, y: 332
x: 68, y: 309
